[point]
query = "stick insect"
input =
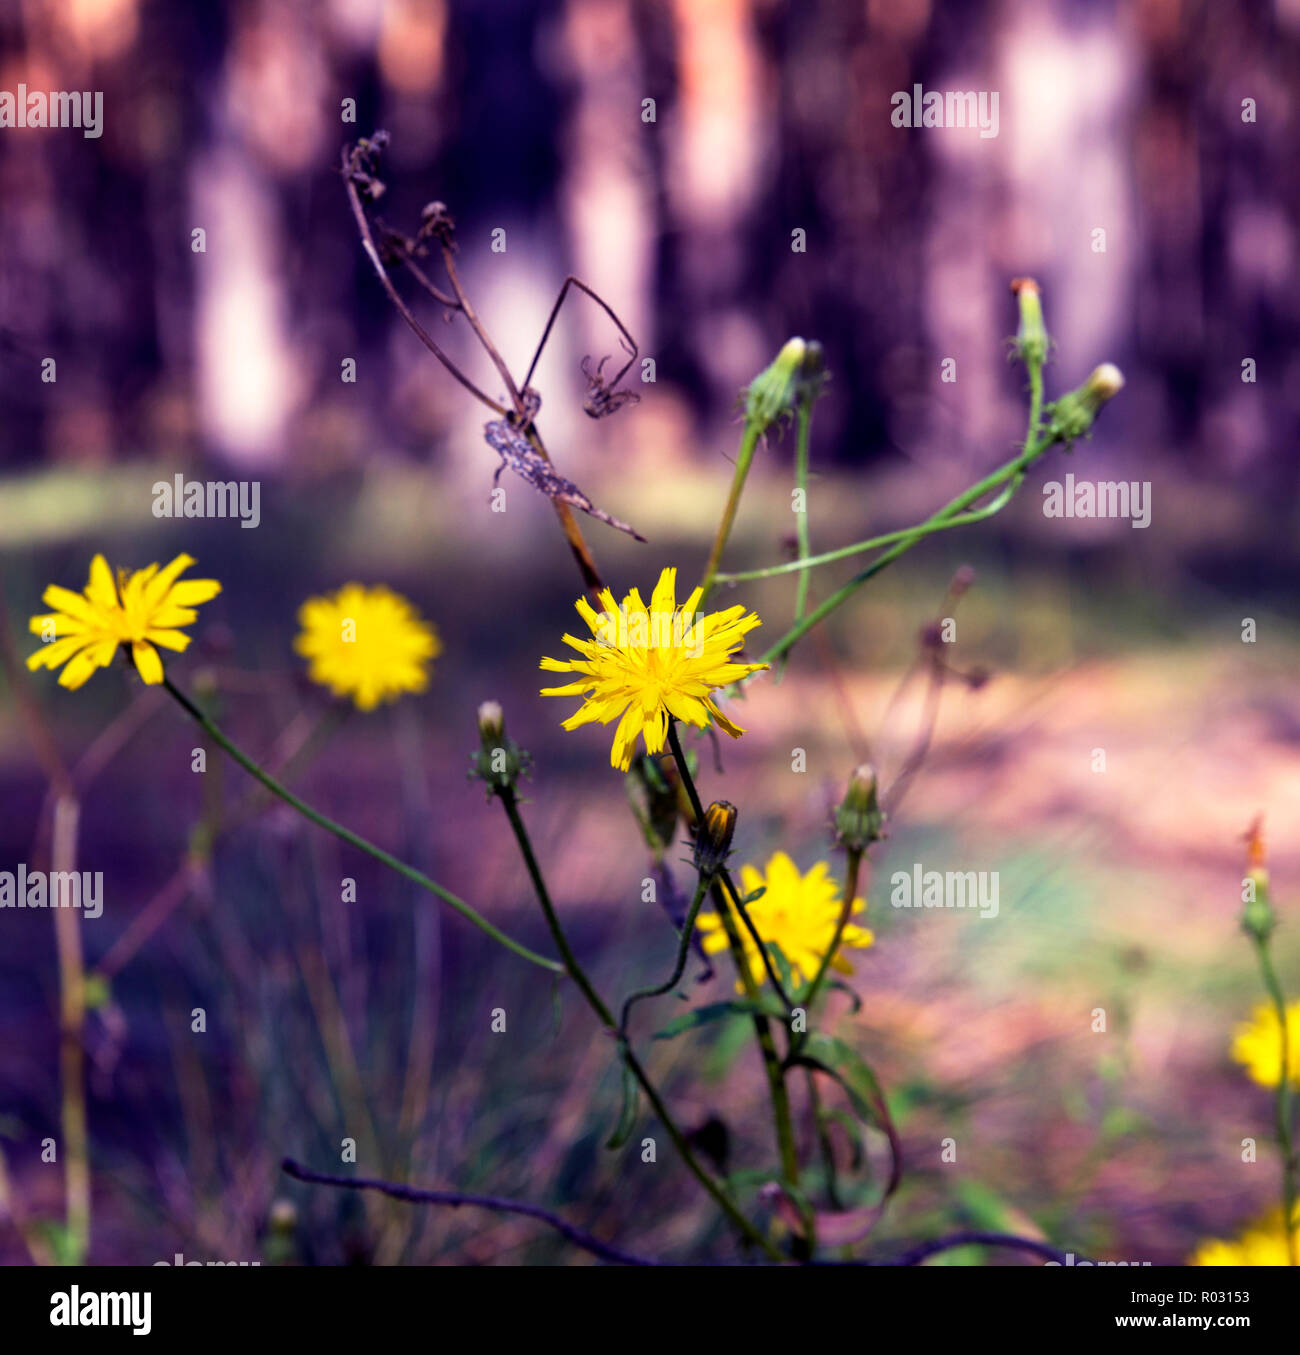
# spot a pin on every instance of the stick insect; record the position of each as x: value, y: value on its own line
x: 513, y: 435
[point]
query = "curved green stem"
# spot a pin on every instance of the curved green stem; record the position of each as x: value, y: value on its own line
x: 1014, y: 470
x: 354, y: 840
x: 748, y: 443
x: 772, y: 1064
x: 578, y: 975
x: 852, y: 869
x: 683, y: 952
x: 576, y: 972
x: 919, y: 530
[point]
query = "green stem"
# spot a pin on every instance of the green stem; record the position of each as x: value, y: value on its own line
x: 351, y: 838
x: 697, y: 810
x: 575, y: 970
x: 748, y: 444
x: 577, y: 974
x: 772, y: 1065
x: 1282, y: 1103
x: 802, y: 440
x: 1014, y: 471
x: 852, y: 869
x: 683, y: 951
x: 824, y: 1142
x: 918, y: 530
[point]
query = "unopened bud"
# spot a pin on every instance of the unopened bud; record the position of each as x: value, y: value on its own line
x: 500, y: 761
x: 283, y: 1217
x: 859, y: 821
x: 1257, y: 916
x: 1104, y: 384
x: 812, y: 376
x: 491, y: 720
x: 713, y: 837
x: 1031, y: 341
x: 771, y: 394
x: 1073, y: 414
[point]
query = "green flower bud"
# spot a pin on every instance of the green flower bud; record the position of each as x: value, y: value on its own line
x: 859, y: 821
x: 771, y: 394
x: 1031, y: 341
x: 1257, y: 916
x: 812, y: 376
x: 1073, y: 414
x: 500, y: 761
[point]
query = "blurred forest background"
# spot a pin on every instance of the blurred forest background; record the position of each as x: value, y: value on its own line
x: 326, y: 1019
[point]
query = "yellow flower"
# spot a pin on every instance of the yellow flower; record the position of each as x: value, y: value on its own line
x: 647, y: 664
x: 1264, y: 1244
x: 798, y: 912
x: 367, y: 643
x: 1258, y: 1044
x: 142, y: 609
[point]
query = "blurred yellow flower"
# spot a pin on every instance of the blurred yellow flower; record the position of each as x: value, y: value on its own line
x: 646, y: 664
x: 142, y: 609
x: 798, y: 912
x: 367, y: 643
x: 1258, y: 1044
x: 1262, y: 1245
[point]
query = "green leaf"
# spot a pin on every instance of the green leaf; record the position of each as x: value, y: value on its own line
x: 627, y: 1114
x: 717, y: 1011
x: 851, y: 1071
x: 849, y: 1125
x: 782, y: 967
x: 842, y: 1062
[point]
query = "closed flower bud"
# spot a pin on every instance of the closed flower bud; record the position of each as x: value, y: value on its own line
x: 283, y: 1217
x: 500, y: 761
x: 859, y: 821
x: 713, y: 837
x: 1257, y: 916
x: 1105, y: 382
x: 491, y: 720
x: 1073, y: 414
x: 812, y: 375
x: 1031, y: 340
x: 771, y: 394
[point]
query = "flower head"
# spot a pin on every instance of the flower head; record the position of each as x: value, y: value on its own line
x: 798, y: 912
x: 1258, y: 1045
x: 367, y: 643
x: 142, y: 609
x: 647, y: 664
x: 1263, y: 1244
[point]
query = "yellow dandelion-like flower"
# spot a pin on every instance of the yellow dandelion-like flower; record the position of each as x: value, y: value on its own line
x: 1258, y: 1044
x: 1264, y: 1244
x: 367, y: 643
x: 142, y: 609
x: 646, y: 664
x: 798, y: 912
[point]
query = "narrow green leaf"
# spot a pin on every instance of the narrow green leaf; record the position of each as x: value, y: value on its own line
x: 716, y: 1011
x: 627, y: 1114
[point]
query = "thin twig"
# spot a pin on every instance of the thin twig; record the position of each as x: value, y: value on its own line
x: 455, y: 1199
